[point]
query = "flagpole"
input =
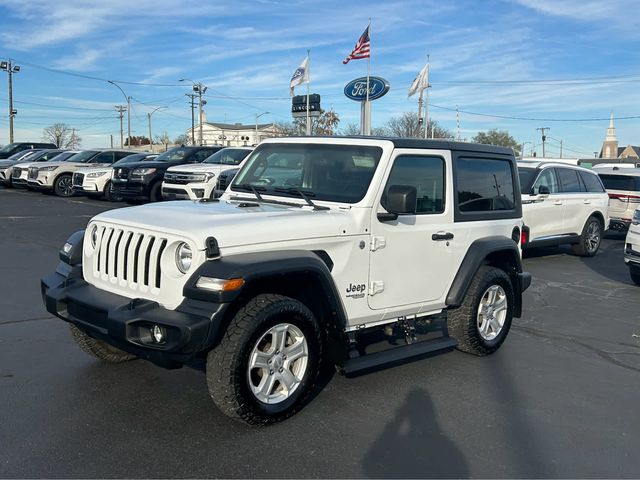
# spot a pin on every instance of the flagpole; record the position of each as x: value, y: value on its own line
x: 426, y: 103
x: 367, y: 107
x: 308, y: 82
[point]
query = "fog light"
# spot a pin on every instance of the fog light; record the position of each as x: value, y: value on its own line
x: 198, y: 192
x: 159, y: 334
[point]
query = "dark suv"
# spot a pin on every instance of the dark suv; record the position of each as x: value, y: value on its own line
x: 10, y: 149
x: 137, y: 183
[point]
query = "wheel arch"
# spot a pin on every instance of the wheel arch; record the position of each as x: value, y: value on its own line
x: 499, y: 252
x: 298, y: 274
x: 598, y: 215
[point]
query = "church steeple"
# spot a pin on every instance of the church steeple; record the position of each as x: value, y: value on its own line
x: 610, y: 145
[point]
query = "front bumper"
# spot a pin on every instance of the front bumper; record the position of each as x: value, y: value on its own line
x: 131, y: 190
x: 126, y: 323
x: 190, y: 191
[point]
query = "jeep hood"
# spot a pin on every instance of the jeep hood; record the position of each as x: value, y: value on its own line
x: 231, y: 223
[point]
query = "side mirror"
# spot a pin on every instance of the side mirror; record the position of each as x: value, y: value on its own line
x: 543, y: 190
x: 401, y: 199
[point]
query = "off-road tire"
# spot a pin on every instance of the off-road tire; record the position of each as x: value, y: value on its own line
x: 462, y: 321
x: 634, y: 273
x: 227, y: 363
x: 583, y: 247
x: 99, y: 349
x: 57, y: 185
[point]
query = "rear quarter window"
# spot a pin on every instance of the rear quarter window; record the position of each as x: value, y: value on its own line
x: 592, y: 182
x: 485, y: 185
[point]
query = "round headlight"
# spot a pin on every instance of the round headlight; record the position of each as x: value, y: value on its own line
x: 94, y: 236
x: 183, y: 257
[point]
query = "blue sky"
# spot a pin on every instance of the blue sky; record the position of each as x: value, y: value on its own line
x: 484, y: 57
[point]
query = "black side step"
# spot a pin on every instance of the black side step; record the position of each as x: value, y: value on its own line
x: 397, y: 355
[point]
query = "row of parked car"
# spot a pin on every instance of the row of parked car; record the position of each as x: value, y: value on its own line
x: 562, y: 203
x: 180, y: 173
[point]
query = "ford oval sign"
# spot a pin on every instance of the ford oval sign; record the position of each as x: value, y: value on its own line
x: 357, y: 89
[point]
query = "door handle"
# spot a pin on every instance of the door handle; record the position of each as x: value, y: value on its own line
x: 442, y: 236
x: 587, y: 202
x: 558, y: 202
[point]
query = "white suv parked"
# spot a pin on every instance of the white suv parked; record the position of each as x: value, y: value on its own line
x: 632, y: 248
x: 318, y: 247
x: 198, y: 181
x: 563, y: 204
x: 623, y: 187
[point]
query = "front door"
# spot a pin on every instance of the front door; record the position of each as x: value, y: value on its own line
x: 544, y: 214
x: 411, y: 260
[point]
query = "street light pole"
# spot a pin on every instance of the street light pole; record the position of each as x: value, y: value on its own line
x: 128, y: 98
x: 200, y: 89
x: 8, y: 67
x: 257, y: 117
x: 149, y: 117
x: 193, y: 125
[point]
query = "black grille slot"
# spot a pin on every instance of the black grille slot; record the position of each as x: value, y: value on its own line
x: 126, y: 256
x: 117, y: 251
x: 135, y: 260
x: 158, y: 271
x: 146, y: 260
x: 106, y: 263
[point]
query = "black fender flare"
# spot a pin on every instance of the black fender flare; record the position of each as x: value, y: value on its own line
x: 253, y: 267
x: 479, y: 253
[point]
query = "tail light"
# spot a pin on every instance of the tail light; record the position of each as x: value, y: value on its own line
x: 625, y: 198
x: 524, y: 236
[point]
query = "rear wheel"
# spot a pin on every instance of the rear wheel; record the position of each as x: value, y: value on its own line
x: 99, y: 349
x: 63, y: 186
x: 482, y: 322
x: 590, y: 238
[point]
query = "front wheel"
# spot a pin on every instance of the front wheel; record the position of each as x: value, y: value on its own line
x: 99, y: 349
x: 266, y: 365
x: 590, y: 239
x: 482, y: 322
x: 63, y: 186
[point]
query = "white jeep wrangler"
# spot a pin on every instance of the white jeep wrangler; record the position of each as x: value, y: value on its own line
x: 358, y: 252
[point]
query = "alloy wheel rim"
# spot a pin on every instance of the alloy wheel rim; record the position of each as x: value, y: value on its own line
x: 492, y: 312
x: 278, y: 363
x: 593, y: 237
x: 66, y: 186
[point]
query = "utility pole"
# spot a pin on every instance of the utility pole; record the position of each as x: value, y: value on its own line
x: 544, y: 138
x: 8, y: 67
x: 560, y: 148
x: 121, y: 109
x: 458, y: 122
x: 111, y: 140
x: 128, y: 98
x: 149, y: 117
x: 192, y: 97
x: 200, y: 89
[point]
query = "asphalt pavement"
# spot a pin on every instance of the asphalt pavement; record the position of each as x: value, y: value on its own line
x: 559, y: 399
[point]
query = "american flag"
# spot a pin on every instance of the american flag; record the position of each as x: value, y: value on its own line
x: 362, y: 48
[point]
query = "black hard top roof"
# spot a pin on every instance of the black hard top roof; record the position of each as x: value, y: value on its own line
x: 436, y: 144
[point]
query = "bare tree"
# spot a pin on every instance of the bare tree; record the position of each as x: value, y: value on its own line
x: 408, y: 125
x: 164, y: 140
x: 325, y: 124
x: 62, y: 135
x: 183, y: 139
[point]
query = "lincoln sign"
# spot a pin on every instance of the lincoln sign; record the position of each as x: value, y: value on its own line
x: 357, y: 89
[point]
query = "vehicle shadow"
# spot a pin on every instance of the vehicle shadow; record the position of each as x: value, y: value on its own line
x: 413, y: 445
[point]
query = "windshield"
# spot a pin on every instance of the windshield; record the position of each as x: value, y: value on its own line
x: 337, y: 173
x: 82, y: 156
x: 227, y: 156
x: 8, y: 148
x: 174, y: 155
x: 21, y: 155
x: 527, y: 176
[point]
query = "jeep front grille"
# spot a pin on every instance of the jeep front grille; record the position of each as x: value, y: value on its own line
x: 129, y: 258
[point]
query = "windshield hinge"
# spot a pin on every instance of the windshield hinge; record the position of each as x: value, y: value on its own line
x: 377, y: 243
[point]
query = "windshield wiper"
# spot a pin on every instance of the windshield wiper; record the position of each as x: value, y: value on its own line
x: 305, y: 196
x: 251, y: 188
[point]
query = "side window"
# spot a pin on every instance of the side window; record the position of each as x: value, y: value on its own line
x: 484, y: 184
x: 104, y: 157
x: 424, y: 173
x: 200, y: 155
x: 121, y: 155
x: 592, y: 182
x: 569, y: 180
x: 548, y: 179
